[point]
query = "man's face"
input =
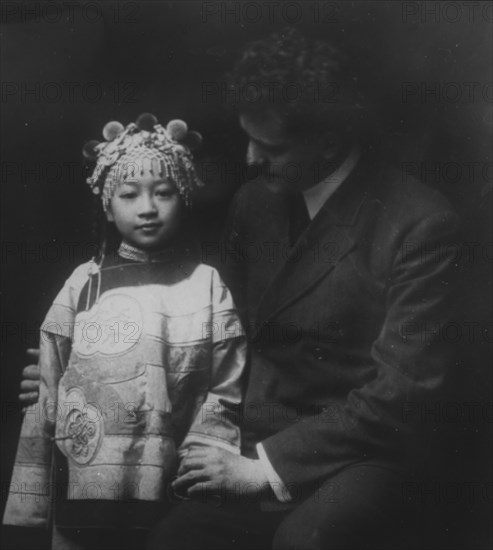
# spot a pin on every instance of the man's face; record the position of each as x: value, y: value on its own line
x: 146, y: 210
x: 287, y: 161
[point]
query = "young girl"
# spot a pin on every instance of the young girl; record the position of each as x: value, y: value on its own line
x: 141, y: 356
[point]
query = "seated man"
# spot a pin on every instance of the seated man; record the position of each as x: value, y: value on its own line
x: 345, y: 280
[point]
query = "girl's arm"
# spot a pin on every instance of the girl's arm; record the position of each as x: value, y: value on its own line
x: 31, y: 491
x: 217, y: 421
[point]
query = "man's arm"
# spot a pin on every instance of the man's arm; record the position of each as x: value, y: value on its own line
x: 412, y: 358
x: 30, y: 380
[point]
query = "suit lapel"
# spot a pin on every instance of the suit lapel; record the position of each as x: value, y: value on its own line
x: 324, y: 243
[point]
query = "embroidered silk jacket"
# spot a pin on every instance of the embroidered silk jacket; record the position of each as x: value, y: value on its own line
x: 138, y: 358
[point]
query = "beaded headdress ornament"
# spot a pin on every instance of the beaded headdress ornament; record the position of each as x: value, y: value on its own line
x: 145, y: 144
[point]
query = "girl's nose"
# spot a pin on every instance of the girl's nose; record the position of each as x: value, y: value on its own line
x: 147, y: 206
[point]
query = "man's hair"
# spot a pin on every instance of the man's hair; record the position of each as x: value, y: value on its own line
x: 309, y: 82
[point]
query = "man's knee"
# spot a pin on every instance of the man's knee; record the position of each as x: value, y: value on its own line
x: 293, y: 535
x: 170, y: 532
x: 289, y: 537
x: 163, y: 536
x: 357, y: 509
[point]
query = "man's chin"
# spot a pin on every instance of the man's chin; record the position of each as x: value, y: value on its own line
x: 277, y: 185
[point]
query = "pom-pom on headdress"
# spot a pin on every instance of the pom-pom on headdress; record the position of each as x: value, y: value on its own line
x: 166, y: 152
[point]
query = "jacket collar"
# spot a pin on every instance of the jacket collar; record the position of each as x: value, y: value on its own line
x: 316, y: 196
x: 324, y: 243
x: 132, y: 253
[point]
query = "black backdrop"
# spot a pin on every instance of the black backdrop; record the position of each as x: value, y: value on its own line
x: 67, y: 68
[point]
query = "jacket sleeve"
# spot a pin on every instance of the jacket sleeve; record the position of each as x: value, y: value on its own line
x: 412, y: 357
x: 31, y: 490
x: 217, y: 421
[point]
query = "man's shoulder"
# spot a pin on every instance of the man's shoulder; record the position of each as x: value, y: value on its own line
x: 406, y: 201
x: 401, y: 199
x: 401, y: 211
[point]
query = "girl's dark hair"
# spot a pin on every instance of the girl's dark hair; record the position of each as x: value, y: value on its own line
x: 103, y: 232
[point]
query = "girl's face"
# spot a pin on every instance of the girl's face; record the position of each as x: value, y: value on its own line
x: 147, y: 211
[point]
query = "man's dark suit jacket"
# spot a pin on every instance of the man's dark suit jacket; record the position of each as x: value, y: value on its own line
x: 350, y: 328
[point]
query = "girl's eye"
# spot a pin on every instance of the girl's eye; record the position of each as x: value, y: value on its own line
x: 165, y: 193
x: 128, y: 195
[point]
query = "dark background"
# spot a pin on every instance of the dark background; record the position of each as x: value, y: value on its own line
x: 123, y: 58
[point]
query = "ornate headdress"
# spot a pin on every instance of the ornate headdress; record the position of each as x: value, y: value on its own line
x: 167, y: 152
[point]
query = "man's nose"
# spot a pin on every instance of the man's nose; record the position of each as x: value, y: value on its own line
x: 255, y: 156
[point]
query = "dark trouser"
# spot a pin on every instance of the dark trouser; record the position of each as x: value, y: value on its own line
x: 362, y: 507
x: 92, y: 539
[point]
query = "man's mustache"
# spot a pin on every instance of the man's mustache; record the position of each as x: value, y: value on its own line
x: 265, y: 171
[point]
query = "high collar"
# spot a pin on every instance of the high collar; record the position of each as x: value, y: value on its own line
x: 316, y: 196
x: 130, y: 252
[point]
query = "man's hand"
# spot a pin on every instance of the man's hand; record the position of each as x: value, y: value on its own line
x: 215, y: 471
x: 30, y: 382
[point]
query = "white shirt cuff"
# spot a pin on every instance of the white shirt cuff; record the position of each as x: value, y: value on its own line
x: 276, y: 483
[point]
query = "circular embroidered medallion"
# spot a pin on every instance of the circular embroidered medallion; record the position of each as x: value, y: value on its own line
x: 111, y: 327
x: 83, y: 428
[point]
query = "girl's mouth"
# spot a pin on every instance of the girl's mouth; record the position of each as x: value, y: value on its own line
x: 149, y: 226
